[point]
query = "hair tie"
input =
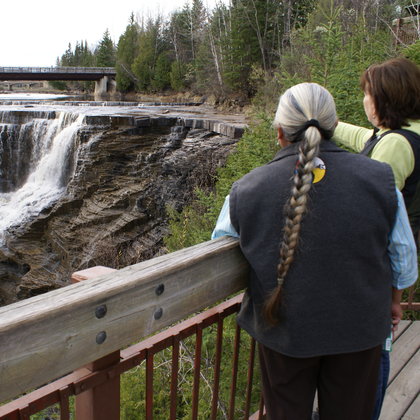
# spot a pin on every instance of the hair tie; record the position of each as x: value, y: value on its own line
x: 311, y: 123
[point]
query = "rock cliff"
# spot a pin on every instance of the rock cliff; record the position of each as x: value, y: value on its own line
x: 127, y: 170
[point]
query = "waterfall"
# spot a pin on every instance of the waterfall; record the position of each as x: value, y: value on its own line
x: 36, y: 163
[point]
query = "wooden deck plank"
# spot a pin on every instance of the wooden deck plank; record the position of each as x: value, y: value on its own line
x: 413, y: 412
x: 404, y: 348
x: 403, y: 390
x: 403, y: 325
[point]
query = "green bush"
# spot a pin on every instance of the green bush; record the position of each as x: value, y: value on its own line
x: 412, y: 52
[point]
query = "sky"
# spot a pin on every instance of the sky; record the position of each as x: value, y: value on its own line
x: 33, y: 33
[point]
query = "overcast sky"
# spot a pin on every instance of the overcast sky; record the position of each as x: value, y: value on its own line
x: 34, y: 33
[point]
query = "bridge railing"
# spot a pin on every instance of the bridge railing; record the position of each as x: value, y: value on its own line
x: 96, y: 70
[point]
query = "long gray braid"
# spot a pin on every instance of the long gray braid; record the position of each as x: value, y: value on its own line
x: 306, y: 114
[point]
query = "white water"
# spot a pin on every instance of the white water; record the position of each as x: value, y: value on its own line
x: 47, y: 181
x: 31, y: 96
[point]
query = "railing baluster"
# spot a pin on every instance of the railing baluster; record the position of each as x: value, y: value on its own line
x: 149, y: 385
x: 218, y: 359
x: 234, y: 373
x: 261, y: 409
x: 24, y: 413
x: 250, y: 378
x: 174, y: 377
x: 64, y: 403
x: 410, y: 299
x: 197, y: 371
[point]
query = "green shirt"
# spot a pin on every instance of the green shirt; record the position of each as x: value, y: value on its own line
x: 393, y: 149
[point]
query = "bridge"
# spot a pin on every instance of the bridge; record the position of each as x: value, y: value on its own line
x: 104, y: 77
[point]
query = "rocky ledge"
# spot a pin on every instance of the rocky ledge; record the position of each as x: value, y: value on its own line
x: 129, y: 169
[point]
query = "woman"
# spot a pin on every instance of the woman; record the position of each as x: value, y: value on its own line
x: 314, y: 225
x: 392, y: 105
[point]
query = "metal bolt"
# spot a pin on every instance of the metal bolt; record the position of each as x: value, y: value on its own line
x: 158, y: 314
x: 101, y: 337
x: 100, y: 311
x: 160, y: 289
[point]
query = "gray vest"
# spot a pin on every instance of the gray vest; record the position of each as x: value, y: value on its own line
x: 337, y: 293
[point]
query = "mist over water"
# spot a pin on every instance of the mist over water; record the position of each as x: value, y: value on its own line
x: 35, y: 165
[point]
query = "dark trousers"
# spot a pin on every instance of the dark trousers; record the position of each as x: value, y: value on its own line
x: 346, y: 385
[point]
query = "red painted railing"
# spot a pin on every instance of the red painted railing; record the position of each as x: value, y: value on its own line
x: 81, y: 382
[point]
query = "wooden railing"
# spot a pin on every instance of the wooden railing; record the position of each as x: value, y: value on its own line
x: 51, y: 335
x: 77, y: 333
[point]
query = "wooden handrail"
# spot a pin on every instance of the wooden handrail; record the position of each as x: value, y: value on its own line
x: 47, y: 336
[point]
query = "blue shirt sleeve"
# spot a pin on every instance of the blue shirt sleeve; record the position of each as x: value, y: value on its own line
x: 224, y: 226
x: 402, y: 249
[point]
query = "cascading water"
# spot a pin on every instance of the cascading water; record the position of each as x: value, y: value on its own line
x: 36, y: 163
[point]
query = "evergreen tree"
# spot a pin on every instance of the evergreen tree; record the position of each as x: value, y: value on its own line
x: 105, y: 52
x: 127, y: 51
x: 80, y: 57
x: 177, y: 75
x: 162, y: 74
x: 178, y: 34
x: 197, y: 22
x: 67, y: 58
x: 87, y: 58
x: 149, y: 50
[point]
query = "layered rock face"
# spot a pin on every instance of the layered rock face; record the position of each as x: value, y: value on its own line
x: 110, y: 209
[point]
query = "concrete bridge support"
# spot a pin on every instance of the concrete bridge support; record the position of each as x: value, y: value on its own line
x: 104, y: 87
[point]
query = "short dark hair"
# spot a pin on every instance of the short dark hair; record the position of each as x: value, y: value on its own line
x: 395, y: 88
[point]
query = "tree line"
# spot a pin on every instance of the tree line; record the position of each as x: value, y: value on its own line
x: 226, y: 50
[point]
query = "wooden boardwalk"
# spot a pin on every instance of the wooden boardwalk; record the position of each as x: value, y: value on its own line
x: 402, y: 400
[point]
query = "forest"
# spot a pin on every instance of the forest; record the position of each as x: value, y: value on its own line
x: 234, y: 49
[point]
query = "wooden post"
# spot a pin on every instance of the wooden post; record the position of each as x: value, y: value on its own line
x: 103, y: 401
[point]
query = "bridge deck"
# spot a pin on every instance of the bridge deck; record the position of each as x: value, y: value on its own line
x: 55, y: 73
x: 402, y: 400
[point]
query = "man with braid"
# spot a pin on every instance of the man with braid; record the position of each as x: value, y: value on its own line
x: 327, y: 236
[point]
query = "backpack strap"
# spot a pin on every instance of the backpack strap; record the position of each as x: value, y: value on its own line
x: 371, y: 143
x: 411, y: 190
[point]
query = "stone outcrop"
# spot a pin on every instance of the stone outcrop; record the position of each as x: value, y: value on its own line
x: 128, y: 170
